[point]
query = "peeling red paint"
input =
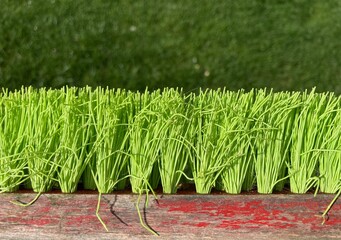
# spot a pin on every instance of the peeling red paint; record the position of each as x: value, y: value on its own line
x: 45, y: 209
x: 199, y: 224
x: 278, y: 214
x: 39, y: 222
x: 32, y: 221
x: 80, y: 220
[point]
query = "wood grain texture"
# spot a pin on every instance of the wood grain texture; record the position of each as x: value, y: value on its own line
x: 72, y: 216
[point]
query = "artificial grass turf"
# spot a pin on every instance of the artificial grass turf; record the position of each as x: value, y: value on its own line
x: 232, y: 140
x: 286, y: 45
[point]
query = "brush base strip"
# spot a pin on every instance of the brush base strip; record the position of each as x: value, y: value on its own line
x: 61, y: 216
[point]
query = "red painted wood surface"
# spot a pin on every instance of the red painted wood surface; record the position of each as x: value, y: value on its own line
x: 72, y: 216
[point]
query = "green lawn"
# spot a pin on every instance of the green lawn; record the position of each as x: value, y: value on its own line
x: 283, y: 44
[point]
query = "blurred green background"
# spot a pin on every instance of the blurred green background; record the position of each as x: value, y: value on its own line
x: 280, y: 44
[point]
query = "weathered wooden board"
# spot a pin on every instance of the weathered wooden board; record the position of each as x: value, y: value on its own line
x: 72, y: 216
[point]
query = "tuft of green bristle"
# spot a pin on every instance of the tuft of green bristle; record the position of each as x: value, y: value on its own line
x: 111, y: 125
x: 174, y: 151
x: 43, y: 111
x: 145, y: 132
